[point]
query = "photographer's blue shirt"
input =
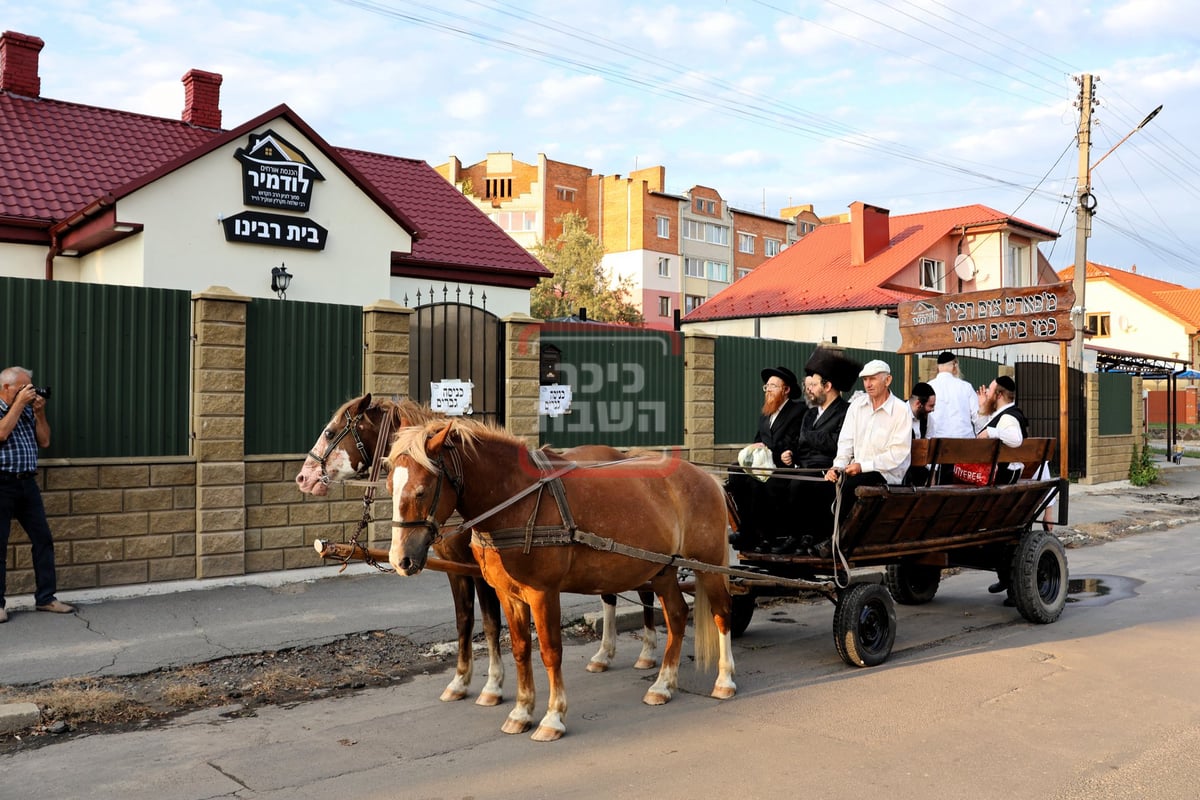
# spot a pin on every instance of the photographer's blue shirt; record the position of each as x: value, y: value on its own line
x: 19, y: 452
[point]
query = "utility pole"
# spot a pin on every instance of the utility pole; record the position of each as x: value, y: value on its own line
x: 1085, y: 206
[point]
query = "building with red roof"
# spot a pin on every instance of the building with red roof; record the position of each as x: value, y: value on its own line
x: 843, y: 281
x: 1134, y: 313
x: 106, y: 196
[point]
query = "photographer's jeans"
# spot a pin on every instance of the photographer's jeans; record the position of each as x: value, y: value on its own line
x: 21, y: 499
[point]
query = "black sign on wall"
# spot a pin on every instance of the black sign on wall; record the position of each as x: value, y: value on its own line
x: 276, y: 174
x: 257, y: 227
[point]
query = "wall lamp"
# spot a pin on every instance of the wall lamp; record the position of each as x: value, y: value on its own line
x: 281, y: 279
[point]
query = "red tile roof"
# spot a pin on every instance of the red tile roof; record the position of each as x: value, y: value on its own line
x: 1173, y: 298
x: 814, y: 274
x: 57, y: 158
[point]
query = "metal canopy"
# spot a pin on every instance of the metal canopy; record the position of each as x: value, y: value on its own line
x: 1148, y: 366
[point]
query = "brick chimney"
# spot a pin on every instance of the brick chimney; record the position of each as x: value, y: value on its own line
x: 202, y: 98
x: 19, y: 64
x: 870, y: 232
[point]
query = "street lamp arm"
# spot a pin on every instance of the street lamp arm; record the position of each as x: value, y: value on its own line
x: 1141, y: 125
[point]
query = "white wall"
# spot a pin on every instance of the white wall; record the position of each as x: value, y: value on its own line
x: 22, y: 261
x: 501, y: 301
x: 1149, y: 331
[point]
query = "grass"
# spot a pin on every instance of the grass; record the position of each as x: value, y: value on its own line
x: 75, y: 701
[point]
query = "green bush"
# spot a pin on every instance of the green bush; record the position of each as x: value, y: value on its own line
x: 1142, y: 469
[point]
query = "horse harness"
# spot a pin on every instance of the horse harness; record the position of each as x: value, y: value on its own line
x: 368, y: 493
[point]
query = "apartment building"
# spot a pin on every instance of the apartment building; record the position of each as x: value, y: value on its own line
x: 677, y: 249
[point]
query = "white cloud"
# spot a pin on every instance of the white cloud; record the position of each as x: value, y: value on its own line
x: 472, y: 104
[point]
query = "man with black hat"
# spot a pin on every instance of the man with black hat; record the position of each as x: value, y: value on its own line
x: 758, y: 502
x: 810, y: 498
x: 997, y: 402
x: 957, y: 413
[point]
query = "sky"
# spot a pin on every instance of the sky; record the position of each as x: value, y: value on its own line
x: 909, y: 105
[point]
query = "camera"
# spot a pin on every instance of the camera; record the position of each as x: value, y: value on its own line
x: 42, y: 392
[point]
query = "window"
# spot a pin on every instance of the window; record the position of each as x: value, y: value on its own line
x: 693, y: 229
x: 710, y: 206
x: 664, y: 268
x: 515, y: 220
x: 717, y: 271
x: 716, y: 234
x: 664, y: 306
x: 1098, y: 325
x: 699, y: 204
x: 664, y: 227
x: 693, y: 268
x: 499, y: 187
x: 771, y: 247
x: 933, y: 274
x: 746, y: 242
x: 1016, y: 272
x: 563, y: 193
x: 741, y: 273
x: 805, y: 227
x: 691, y: 302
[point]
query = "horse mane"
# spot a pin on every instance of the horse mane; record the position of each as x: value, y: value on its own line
x: 401, y: 413
x: 468, y: 433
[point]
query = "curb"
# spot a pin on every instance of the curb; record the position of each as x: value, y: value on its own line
x: 18, y: 717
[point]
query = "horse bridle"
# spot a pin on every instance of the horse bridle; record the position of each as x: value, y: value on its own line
x: 456, y: 482
x: 351, y: 428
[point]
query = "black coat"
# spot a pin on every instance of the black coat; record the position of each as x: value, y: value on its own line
x: 814, y: 441
x: 778, y: 437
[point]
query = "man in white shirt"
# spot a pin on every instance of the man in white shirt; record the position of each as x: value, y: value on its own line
x: 997, y: 402
x: 875, y: 445
x: 957, y: 412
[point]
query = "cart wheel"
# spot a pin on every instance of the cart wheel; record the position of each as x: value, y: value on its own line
x: 743, y: 610
x: 912, y: 584
x: 1039, y: 577
x: 864, y: 625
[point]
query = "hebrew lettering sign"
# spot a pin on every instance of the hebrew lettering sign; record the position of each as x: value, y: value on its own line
x: 256, y: 227
x: 275, y: 173
x: 451, y: 397
x: 989, y: 318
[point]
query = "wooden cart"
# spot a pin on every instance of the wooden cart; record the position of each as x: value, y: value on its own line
x: 914, y: 532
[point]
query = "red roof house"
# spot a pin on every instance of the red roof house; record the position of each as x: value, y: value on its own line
x: 156, y: 198
x: 843, y: 281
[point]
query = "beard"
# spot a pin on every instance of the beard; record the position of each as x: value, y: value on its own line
x: 773, y: 402
x: 988, y: 406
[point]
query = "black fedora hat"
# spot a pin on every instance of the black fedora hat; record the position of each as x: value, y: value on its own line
x: 834, y: 367
x: 784, y: 374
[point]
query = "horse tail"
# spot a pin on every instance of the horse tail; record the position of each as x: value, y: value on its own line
x: 707, y: 643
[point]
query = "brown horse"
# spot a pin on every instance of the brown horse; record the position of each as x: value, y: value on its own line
x: 637, y: 512
x: 346, y: 449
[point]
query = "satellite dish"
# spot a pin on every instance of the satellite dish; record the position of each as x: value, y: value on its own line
x: 964, y: 267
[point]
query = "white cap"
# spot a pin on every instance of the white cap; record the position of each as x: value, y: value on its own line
x: 874, y: 368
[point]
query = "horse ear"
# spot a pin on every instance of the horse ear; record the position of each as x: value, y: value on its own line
x: 363, y: 403
x: 437, y: 440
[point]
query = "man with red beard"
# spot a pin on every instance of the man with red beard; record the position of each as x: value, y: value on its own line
x: 997, y: 403
x: 760, y: 503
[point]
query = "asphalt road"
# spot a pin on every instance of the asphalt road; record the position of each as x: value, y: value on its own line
x: 973, y: 703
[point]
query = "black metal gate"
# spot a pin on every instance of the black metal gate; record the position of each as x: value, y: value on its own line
x: 1037, y: 395
x: 450, y: 340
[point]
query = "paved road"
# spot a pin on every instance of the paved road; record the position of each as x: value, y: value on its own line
x: 974, y: 703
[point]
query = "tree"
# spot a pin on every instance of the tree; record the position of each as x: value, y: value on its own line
x: 579, y: 280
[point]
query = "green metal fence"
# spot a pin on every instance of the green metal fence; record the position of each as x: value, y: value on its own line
x: 1116, y: 404
x: 303, y: 360
x: 738, y: 381
x: 117, y: 359
x: 627, y: 386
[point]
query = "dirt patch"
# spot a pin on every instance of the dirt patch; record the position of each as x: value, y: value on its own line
x: 83, y: 706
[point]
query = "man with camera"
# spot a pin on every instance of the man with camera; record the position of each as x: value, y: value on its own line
x: 23, y: 429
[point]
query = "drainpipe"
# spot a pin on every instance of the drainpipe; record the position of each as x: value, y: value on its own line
x: 66, y: 225
x: 51, y: 254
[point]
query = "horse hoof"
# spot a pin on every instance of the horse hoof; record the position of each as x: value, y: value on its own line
x: 656, y: 699
x: 597, y: 666
x: 645, y: 663
x: 515, y: 726
x: 724, y: 692
x: 545, y: 733
x: 450, y: 695
x: 488, y: 699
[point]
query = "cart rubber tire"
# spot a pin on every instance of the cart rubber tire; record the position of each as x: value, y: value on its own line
x: 864, y: 624
x: 912, y: 584
x: 1039, y: 577
x: 743, y: 611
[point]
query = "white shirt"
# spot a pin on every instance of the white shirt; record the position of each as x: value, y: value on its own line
x: 956, y: 414
x: 880, y: 439
x: 1007, y: 430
